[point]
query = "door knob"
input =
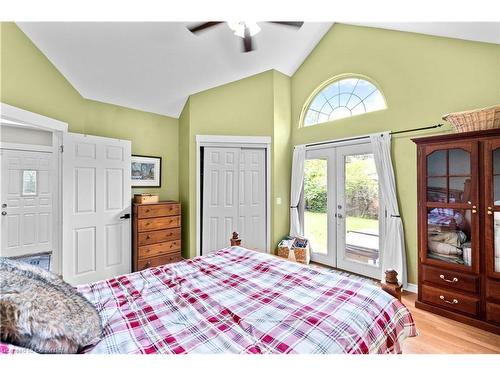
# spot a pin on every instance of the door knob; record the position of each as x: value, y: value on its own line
x: 4, y: 205
x: 339, y: 216
x: 4, y: 213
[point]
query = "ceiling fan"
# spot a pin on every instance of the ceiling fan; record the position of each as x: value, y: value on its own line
x: 245, y: 30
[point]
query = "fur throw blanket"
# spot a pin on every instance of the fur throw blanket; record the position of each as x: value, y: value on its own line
x: 39, y: 311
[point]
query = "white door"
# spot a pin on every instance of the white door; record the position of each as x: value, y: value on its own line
x: 319, y: 205
x: 234, y: 197
x: 359, y: 207
x: 28, y: 198
x: 96, y: 208
x: 252, y: 198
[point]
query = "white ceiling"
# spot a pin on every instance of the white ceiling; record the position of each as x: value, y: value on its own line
x: 155, y: 66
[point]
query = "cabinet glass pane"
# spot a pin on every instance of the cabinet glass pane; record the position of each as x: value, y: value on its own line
x: 459, y: 190
x: 436, y: 164
x: 496, y: 254
x: 459, y: 162
x: 496, y: 161
x: 436, y: 189
x: 496, y: 190
x: 449, y: 235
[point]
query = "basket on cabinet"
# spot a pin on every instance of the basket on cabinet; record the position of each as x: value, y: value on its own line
x: 473, y: 120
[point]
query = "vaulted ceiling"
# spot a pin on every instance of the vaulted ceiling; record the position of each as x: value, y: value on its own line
x: 155, y: 66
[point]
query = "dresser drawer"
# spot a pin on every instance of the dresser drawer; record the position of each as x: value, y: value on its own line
x: 156, y: 236
x: 450, y: 299
x: 155, y: 210
x: 493, y: 312
x: 450, y: 279
x: 158, y: 223
x: 161, y: 248
x: 158, y: 261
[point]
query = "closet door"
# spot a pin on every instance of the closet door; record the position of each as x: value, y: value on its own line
x: 234, y: 197
x: 220, y: 197
x: 252, y: 198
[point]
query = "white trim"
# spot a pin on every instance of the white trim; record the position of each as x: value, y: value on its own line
x: 225, y: 139
x: 21, y: 117
x: 233, y: 141
x: 14, y: 116
x: 412, y: 288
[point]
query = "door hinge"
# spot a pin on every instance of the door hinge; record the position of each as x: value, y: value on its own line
x: 61, y: 148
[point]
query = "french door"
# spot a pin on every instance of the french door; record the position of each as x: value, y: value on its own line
x: 342, y: 207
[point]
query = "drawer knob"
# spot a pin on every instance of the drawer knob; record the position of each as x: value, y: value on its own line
x: 454, y: 302
x: 454, y: 280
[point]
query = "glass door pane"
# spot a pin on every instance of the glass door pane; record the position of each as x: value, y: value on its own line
x: 317, y: 199
x: 358, y: 211
x: 315, y: 204
x: 450, y: 207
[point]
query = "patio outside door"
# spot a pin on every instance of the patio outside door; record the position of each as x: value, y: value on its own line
x: 342, y: 206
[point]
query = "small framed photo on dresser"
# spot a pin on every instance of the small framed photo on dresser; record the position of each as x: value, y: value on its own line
x: 146, y: 171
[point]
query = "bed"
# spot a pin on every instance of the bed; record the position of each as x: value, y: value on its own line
x: 242, y: 301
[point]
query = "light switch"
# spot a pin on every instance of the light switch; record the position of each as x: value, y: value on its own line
x: 278, y: 200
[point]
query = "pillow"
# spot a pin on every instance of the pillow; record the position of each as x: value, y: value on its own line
x: 39, y: 311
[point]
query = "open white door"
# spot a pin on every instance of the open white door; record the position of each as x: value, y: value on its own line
x: 96, y: 208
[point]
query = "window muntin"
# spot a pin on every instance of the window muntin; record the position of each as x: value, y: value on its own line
x: 344, y: 98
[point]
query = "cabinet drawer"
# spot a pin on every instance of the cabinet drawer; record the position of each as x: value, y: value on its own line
x: 158, y: 261
x: 451, y: 300
x: 148, y: 238
x: 161, y: 248
x: 157, y: 223
x: 155, y: 210
x: 450, y: 279
x: 493, y: 312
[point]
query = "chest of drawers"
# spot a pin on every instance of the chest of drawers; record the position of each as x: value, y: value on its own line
x: 156, y: 239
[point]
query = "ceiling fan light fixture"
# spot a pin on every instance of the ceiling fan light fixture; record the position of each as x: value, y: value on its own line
x: 238, y: 27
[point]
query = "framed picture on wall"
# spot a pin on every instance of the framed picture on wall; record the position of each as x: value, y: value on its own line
x: 146, y: 171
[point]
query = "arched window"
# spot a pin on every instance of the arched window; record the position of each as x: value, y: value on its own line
x: 342, y: 98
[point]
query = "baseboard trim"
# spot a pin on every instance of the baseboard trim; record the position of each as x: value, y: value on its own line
x: 412, y: 288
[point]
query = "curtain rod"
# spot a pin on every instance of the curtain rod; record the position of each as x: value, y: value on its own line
x: 367, y: 136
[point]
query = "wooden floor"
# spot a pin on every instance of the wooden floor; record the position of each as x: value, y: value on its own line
x: 440, y: 335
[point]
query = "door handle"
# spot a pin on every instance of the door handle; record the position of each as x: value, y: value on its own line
x: 126, y: 216
x: 4, y: 213
x: 340, y: 216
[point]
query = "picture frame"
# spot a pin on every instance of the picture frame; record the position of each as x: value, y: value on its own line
x: 145, y: 171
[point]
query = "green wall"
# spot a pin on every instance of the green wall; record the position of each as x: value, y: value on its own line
x: 28, y: 80
x: 422, y: 78
x: 254, y: 106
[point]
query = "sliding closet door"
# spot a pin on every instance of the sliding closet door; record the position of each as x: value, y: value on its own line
x: 220, y: 197
x: 234, y: 197
x: 252, y: 198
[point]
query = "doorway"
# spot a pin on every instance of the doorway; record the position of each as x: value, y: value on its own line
x: 342, y: 208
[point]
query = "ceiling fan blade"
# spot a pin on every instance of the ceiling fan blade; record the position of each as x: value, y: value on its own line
x: 202, y: 26
x: 247, y: 41
x: 294, y: 24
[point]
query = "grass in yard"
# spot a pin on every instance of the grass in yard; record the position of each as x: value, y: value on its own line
x: 315, y: 227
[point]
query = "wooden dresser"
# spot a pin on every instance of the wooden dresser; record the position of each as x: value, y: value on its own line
x: 459, y: 227
x: 156, y: 239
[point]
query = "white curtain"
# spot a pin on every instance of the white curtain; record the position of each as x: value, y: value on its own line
x: 299, y: 156
x: 393, y: 247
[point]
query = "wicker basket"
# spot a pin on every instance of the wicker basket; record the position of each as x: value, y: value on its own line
x: 293, y: 253
x: 477, y: 119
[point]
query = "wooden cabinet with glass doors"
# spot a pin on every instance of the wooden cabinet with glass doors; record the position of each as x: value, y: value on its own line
x: 459, y: 227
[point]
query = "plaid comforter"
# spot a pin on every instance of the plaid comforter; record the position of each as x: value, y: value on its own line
x: 241, y: 301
